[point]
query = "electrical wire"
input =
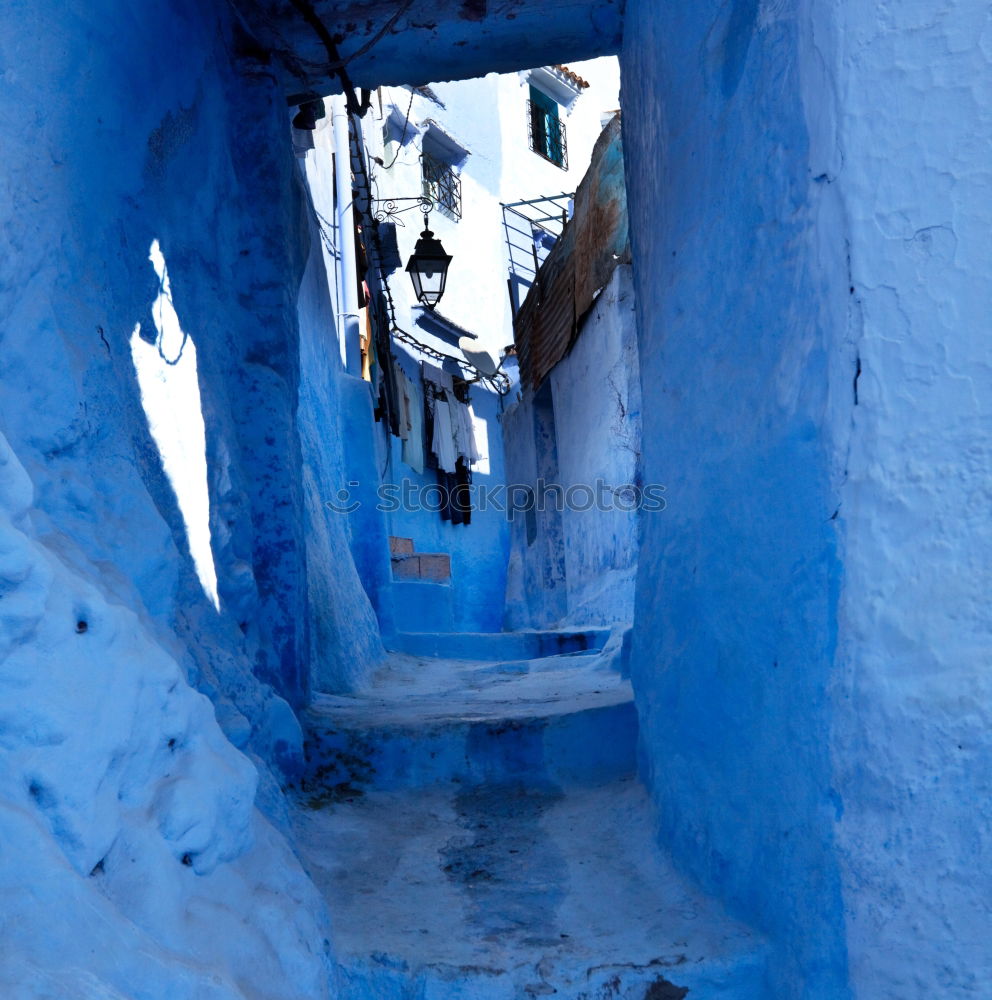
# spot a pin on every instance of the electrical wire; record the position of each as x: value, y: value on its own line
x: 499, y: 382
x: 374, y: 40
x: 298, y: 64
x: 324, y: 227
x: 339, y: 63
x: 305, y: 9
x: 292, y: 62
x: 406, y: 125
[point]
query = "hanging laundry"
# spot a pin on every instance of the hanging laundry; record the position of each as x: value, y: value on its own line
x: 429, y: 391
x: 387, y: 408
x: 441, y: 412
x: 461, y: 499
x: 464, y: 431
x: 457, y: 427
x: 402, y: 402
x: 443, y: 443
x: 474, y: 454
x: 413, y: 446
x: 457, y: 493
x: 440, y: 378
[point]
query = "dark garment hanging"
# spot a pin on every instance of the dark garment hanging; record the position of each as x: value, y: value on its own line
x: 428, y: 394
x: 457, y: 493
x: 388, y: 407
x: 461, y: 389
x: 455, y: 486
x: 461, y: 498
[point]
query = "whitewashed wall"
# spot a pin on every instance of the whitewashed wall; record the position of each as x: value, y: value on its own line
x: 912, y: 743
x: 487, y: 117
x: 584, y: 576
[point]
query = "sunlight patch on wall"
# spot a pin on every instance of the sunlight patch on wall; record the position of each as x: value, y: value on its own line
x: 170, y: 395
x: 481, y: 428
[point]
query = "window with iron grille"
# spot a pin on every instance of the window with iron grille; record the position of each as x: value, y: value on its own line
x: 545, y: 129
x: 442, y: 185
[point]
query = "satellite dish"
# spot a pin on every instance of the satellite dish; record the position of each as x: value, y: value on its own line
x: 485, y: 361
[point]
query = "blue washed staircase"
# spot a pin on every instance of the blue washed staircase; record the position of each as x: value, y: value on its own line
x: 475, y: 822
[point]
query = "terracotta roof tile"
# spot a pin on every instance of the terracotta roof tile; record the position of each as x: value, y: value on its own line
x: 574, y: 77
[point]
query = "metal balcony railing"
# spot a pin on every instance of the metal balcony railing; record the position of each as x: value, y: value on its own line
x: 442, y: 185
x: 546, y: 133
x: 532, y: 228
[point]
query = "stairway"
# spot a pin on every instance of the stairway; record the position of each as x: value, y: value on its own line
x: 479, y: 832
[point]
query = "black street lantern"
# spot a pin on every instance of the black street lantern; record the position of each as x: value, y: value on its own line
x: 428, y: 268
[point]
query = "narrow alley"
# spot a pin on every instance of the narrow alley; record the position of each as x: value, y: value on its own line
x: 471, y: 807
x: 494, y: 500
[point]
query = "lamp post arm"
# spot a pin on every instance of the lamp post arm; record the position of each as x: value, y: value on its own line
x: 388, y: 209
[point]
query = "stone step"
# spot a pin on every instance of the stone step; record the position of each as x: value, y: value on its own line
x: 347, y: 755
x: 507, y: 891
x: 522, y: 645
x: 478, y: 831
x: 567, y: 719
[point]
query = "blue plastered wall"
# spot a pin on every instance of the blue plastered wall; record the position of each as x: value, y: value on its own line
x: 345, y: 640
x: 478, y: 550
x: 162, y: 125
x: 584, y: 573
x: 736, y: 606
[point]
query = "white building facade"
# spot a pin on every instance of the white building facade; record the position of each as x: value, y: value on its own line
x: 471, y: 148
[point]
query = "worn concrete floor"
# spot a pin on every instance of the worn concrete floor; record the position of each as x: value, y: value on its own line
x: 442, y: 885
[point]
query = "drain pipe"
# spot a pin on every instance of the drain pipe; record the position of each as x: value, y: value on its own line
x: 348, y: 315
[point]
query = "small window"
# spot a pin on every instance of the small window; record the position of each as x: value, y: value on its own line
x: 442, y: 185
x: 546, y: 130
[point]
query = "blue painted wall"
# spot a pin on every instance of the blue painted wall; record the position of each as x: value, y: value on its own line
x: 478, y: 550
x: 345, y: 642
x: 124, y: 139
x: 736, y: 620
x: 364, y: 457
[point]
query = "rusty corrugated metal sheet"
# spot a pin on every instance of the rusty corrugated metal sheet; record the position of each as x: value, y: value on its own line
x: 544, y: 325
x: 594, y: 242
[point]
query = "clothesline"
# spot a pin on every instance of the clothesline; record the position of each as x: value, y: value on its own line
x: 437, y: 429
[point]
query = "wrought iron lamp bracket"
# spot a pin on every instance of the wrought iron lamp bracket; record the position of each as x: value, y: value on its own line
x: 389, y: 210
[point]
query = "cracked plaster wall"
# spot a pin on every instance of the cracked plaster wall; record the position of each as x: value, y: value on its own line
x: 912, y: 741
x: 580, y: 567
x: 809, y: 201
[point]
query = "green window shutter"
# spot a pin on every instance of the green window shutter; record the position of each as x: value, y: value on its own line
x: 548, y: 104
x: 546, y: 127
